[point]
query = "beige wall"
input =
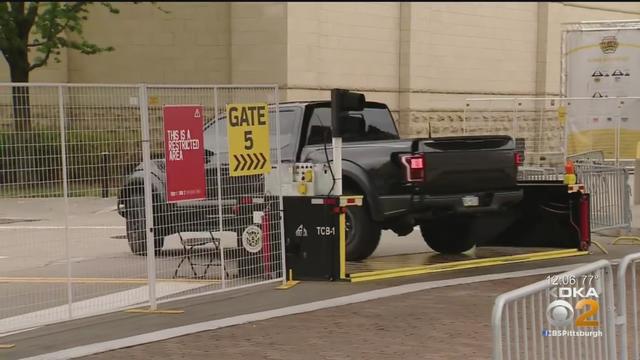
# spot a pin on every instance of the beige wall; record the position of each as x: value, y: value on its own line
x: 258, y: 43
x: 189, y: 45
x: 343, y: 45
x: 422, y: 59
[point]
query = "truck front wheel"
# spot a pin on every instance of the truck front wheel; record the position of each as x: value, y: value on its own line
x: 448, y: 236
x: 137, y: 228
x: 362, y: 234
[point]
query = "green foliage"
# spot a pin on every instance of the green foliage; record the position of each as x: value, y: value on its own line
x: 47, y: 28
x: 31, y: 162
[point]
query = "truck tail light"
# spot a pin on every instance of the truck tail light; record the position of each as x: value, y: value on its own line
x: 414, y: 167
x: 518, y: 159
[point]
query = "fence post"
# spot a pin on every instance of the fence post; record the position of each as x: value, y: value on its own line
x: 65, y: 194
x: 617, y: 137
x: 514, y: 121
x: 104, y: 168
x: 611, y: 320
x: 148, y: 193
x: 621, y: 311
x: 496, y: 324
x: 280, y: 213
x: 219, y: 186
x: 565, y: 151
x: 464, y: 119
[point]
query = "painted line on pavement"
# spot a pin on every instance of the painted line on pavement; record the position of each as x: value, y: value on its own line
x: 19, y: 331
x: 3, y: 257
x: 165, y: 334
x: 96, y: 305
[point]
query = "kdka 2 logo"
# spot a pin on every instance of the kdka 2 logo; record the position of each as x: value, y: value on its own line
x: 561, y: 312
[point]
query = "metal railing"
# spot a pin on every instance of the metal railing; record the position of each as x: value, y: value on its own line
x: 610, y: 192
x: 628, y: 311
x: 533, y: 322
x: 608, y: 186
x: 534, y: 173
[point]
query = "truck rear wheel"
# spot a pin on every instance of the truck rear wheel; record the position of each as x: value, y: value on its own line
x: 136, y: 227
x: 362, y: 234
x: 448, y: 236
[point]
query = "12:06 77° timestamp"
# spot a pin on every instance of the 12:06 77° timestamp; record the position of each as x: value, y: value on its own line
x: 572, y: 280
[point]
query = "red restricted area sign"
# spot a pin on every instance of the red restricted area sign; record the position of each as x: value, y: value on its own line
x: 184, y: 153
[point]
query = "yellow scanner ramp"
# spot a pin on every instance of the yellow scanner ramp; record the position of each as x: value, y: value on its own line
x: 464, y: 264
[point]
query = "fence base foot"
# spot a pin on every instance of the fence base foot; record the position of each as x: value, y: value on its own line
x: 633, y: 240
x: 7, y: 346
x: 149, y: 311
x: 288, y: 285
x: 599, y: 246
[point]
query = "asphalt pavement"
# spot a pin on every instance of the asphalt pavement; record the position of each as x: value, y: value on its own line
x: 32, y: 247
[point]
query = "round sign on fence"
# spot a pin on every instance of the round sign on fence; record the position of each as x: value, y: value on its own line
x: 252, y: 239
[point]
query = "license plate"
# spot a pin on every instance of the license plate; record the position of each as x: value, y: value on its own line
x: 470, y: 201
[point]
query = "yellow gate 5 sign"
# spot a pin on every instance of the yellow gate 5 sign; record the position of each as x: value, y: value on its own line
x: 248, y: 134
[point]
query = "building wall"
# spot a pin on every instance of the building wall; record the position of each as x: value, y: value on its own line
x: 459, y: 50
x: 258, y: 36
x: 343, y: 45
x: 422, y: 59
x: 188, y: 45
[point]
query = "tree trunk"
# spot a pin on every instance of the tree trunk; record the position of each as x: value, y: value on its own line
x: 20, y: 94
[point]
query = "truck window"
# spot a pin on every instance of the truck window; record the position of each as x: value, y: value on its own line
x: 288, y: 119
x: 367, y: 125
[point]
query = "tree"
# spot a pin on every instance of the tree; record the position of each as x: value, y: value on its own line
x: 45, y: 28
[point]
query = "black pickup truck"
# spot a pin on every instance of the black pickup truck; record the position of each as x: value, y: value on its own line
x: 444, y: 185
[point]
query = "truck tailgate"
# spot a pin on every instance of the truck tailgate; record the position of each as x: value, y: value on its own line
x: 468, y: 164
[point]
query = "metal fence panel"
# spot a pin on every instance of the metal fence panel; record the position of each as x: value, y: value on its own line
x: 30, y: 180
x: 235, y: 207
x: 60, y: 173
x: 557, y: 128
x: 69, y: 248
x: 627, y: 307
x: 533, y: 119
x: 522, y: 318
x: 610, y: 194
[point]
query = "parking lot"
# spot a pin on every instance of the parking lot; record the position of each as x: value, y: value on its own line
x: 448, y: 304
x: 103, y: 270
